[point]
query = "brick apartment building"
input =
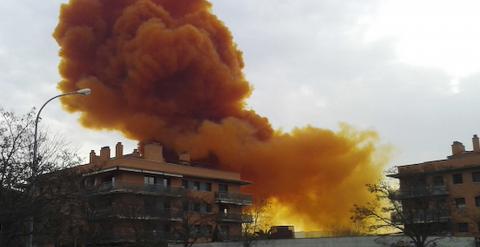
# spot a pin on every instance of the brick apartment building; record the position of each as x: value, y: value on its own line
x: 450, y: 188
x: 143, y: 195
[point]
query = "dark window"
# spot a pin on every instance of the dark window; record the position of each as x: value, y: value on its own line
x: 197, y: 207
x: 206, y: 230
x: 205, y: 186
x: 196, y: 186
x: 222, y: 187
x: 441, y: 203
x: 462, y: 227
x: 185, y: 184
x: 209, y: 186
x: 109, y: 180
x: 457, y: 178
x: 476, y: 176
x: 196, y: 229
x: 438, y: 180
x: 186, y: 206
x: 224, y: 231
x: 209, y: 229
x: 477, y: 201
x: 205, y: 208
x: 460, y: 202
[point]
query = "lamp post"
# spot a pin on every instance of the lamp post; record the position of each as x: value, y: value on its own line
x: 83, y: 92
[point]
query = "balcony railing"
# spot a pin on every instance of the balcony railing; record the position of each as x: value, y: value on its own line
x: 439, y: 190
x: 237, y: 218
x: 138, y: 213
x: 431, y: 216
x: 153, y: 189
x: 234, y: 198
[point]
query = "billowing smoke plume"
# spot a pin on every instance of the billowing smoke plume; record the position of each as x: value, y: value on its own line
x: 169, y: 71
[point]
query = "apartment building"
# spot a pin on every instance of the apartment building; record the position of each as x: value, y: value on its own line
x: 145, y: 196
x: 444, y: 192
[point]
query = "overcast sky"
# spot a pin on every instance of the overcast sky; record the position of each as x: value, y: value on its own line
x: 408, y: 69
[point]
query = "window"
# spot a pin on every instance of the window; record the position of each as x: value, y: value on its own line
x: 89, y: 182
x: 185, y: 184
x: 476, y: 176
x: 438, y: 180
x: 149, y: 180
x: 457, y: 178
x: 477, y: 201
x: 205, y: 208
x: 109, y: 180
x: 222, y: 187
x: 223, y: 209
x: 207, y: 230
x: 197, y: 207
x: 462, y: 227
x: 460, y: 202
x: 165, y: 182
x: 196, y: 229
x: 196, y: 185
x: 224, y: 230
x: 205, y: 187
x: 186, y: 206
x: 441, y: 203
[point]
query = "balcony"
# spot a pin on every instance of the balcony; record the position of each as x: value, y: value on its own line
x: 421, y: 217
x: 147, y: 189
x: 235, y: 218
x: 233, y: 198
x: 138, y: 214
x: 427, y: 191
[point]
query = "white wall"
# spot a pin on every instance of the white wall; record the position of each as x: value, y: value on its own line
x: 371, y: 241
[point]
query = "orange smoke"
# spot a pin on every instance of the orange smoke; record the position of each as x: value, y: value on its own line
x: 168, y: 70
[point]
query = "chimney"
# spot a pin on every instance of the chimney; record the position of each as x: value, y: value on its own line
x: 476, y: 143
x: 93, y: 157
x: 153, y: 151
x: 118, y: 150
x: 184, y: 158
x: 457, y: 148
x: 105, y: 153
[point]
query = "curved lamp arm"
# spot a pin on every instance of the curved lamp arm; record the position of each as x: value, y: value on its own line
x: 83, y: 92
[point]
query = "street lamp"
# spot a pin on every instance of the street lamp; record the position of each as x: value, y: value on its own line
x: 82, y: 92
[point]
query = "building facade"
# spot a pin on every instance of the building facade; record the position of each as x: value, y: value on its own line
x: 444, y: 193
x: 142, y: 196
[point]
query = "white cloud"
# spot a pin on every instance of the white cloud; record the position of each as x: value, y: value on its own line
x: 439, y: 33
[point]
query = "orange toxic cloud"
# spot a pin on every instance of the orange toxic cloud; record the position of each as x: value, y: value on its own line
x: 169, y: 71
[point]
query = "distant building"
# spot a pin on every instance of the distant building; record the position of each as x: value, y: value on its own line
x: 452, y: 184
x: 142, y: 196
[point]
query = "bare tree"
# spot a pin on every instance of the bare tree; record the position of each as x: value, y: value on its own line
x: 421, y: 218
x: 24, y: 193
x: 196, y: 221
x: 257, y: 226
